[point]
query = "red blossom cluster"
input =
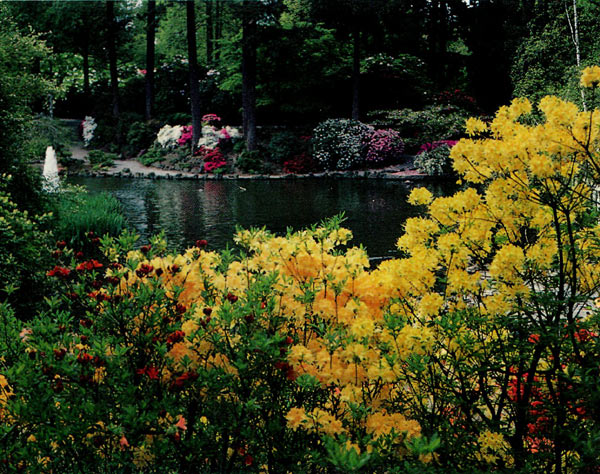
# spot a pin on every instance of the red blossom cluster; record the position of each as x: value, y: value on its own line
x: 151, y: 371
x: 299, y: 164
x: 89, y: 266
x: 433, y: 145
x: 213, y: 158
x: 59, y: 272
x: 187, y: 132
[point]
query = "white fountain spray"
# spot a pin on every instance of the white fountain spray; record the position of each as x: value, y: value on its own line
x: 50, y: 171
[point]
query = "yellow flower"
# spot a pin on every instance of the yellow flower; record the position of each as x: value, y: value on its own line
x: 420, y: 196
x: 475, y: 126
x: 590, y: 77
x: 295, y: 417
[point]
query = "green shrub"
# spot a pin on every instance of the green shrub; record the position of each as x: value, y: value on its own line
x: 140, y: 136
x: 153, y: 155
x: 341, y: 143
x: 435, y: 162
x: 45, y: 132
x: 79, y: 213
x: 102, y: 158
x: 24, y: 254
x: 435, y: 122
x: 251, y: 162
x: 284, y: 146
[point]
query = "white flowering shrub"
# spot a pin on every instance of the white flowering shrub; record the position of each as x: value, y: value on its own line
x: 87, y: 129
x: 341, y: 143
x: 168, y: 135
x: 212, y: 136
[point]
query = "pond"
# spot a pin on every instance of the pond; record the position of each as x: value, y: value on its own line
x: 186, y: 211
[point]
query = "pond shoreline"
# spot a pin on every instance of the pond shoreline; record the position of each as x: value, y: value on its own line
x: 134, y: 169
x: 172, y: 175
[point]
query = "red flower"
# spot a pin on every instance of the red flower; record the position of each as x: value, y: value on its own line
x: 231, y: 297
x: 152, y: 373
x: 59, y: 354
x: 61, y: 244
x: 175, y: 337
x: 59, y: 272
x: 534, y: 338
x: 89, y: 265
x: 248, y: 460
x: 201, y: 243
x: 144, y: 270
x: 84, y: 358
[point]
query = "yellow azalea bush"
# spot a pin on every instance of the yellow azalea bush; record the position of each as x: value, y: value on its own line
x: 477, y: 350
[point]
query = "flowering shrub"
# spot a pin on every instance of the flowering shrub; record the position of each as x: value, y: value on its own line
x: 384, y: 146
x: 425, y: 147
x: 457, y: 98
x: 87, y: 129
x: 187, y: 132
x: 437, y: 122
x: 213, y: 137
x: 213, y: 158
x: 211, y: 119
x: 435, y: 162
x: 168, y: 136
x: 341, y: 143
x: 299, y: 164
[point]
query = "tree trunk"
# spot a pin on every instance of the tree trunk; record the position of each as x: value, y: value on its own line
x: 209, y: 32
x: 194, y: 74
x: 150, y: 35
x: 112, y: 56
x: 86, y: 68
x: 356, y: 71
x: 218, y: 27
x: 249, y: 31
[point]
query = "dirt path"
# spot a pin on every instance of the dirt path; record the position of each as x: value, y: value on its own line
x: 78, y: 152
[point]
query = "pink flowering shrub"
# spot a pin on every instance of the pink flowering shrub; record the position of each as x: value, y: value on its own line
x: 211, y: 119
x: 384, y: 146
x: 213, y: 158
x: 187, y: 132
x: 433, y: 145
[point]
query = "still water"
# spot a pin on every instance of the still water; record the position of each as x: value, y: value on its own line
x: 375, y: 210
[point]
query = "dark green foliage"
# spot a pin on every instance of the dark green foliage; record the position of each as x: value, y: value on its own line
x: 417, y: 127
x: 341, y: 144
x: 101, y: 158
x: 283, y: 146
x: 19, y: 88
x: 435, y: 162
x: 78, y: 213
x: 140, y: 137
x: 251, y: 162
x: 45, y: 132
x: 153, y: 155
x: 24, y: 255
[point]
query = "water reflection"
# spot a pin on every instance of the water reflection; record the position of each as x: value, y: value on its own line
x: 191, y: 210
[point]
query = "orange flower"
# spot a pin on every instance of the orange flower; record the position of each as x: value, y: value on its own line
x: 181, y: 423
x: 123, y: 442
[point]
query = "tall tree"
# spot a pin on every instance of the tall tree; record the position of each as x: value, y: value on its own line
x: 356, y: 70
x: 249, y: 41
x: 112, y: 55
x: 195, y: 100
x: 209, y: 32
x: 150, y: 36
